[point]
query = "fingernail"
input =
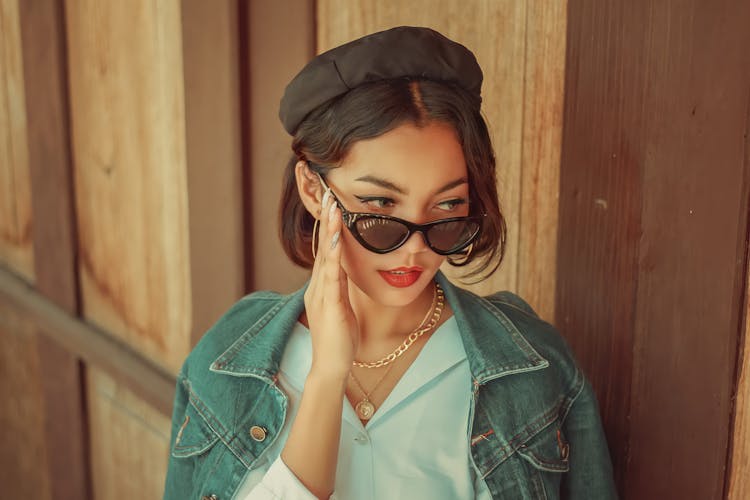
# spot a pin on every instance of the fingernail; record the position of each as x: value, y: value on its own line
x: 331, y: 211
x: 326, y: 196
x: 335, y: 239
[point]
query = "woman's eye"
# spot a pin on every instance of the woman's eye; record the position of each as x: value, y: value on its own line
x: 376, y: 202
x: 451, y: 205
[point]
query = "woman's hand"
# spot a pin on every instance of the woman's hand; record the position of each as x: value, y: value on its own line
x: 316, y: 430
x: 333, y: 326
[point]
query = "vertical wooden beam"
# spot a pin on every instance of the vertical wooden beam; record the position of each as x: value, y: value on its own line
x: 280, y: 40
x: 544, y: 74
x: 653, y: 218
x: 16, y: 246
x: 128, y: 139
x: 210, y: 45
x: 44, y: 56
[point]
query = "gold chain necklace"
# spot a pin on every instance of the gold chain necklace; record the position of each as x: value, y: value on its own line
x: 437, y: 311
x: 365, y: 408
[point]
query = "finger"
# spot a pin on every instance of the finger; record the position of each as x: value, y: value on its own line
x: 323, y: 236
x: 333, y: 267
x: 319, y: 235
x: 344, y: 285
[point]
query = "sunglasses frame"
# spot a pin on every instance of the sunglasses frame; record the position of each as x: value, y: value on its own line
x: 350, y: 220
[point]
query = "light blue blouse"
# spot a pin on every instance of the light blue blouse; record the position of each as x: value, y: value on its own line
x: 415, y: 446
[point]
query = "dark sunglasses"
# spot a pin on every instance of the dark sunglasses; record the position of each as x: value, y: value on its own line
x: 382, y: 233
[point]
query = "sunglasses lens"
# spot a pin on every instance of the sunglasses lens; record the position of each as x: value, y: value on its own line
x: 452, y: 235
x: 381, y: 234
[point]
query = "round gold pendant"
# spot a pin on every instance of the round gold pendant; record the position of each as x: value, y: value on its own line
x: 364, y: 409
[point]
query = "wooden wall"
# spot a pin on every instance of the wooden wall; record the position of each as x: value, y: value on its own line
x: 139, y: 180
x: 652, y: 255
x: 16, y: 246
x: 128, y: 154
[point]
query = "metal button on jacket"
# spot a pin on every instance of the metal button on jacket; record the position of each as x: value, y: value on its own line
x: 258, y: 433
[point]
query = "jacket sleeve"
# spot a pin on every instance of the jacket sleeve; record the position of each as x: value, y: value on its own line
x: 590, y: 474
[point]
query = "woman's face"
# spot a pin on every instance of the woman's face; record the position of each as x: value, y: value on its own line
x: 416, y: 174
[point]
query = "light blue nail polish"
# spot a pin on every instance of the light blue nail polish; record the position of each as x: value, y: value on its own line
x: 335, y: 239
x: 326, y: 196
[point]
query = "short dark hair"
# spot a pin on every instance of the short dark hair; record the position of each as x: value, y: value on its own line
x: 327, y: 134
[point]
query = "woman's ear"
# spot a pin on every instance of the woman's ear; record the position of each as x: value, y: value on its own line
x: 309, y: 188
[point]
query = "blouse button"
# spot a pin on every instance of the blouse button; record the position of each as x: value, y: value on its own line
x: 258, y: 433
x: 361, y: 438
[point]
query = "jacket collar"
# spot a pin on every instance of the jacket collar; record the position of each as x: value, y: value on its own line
x: 494, y: 345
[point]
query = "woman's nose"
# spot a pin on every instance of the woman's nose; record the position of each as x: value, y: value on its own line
x: 416, y: 243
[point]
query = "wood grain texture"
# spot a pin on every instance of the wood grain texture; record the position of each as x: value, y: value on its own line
x: 274, y: 56
x: 46, y: 89
x: 653, y: 219
x: 127, y: 108
x: 152, y: 382
x: 16, y: 245
x: 44, y: 62
x: 129, y: 441
x: 519, y: 47
x: 540, y: 160
x: 690, y: 267
x: 24, y: 455
x: 739, y: 471
x: 214, y: 158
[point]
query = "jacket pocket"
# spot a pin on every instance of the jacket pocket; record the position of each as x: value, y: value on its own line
x: 546, y: 458
x: 194, y: 436
x: 198, y: 463
x: 548, y: 450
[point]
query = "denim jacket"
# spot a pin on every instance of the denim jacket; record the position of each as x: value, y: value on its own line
x: 534, y: 428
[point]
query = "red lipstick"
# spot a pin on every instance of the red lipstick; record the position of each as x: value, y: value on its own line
x: 402, y: 277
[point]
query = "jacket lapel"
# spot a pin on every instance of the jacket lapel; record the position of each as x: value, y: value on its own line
x: 494, y: 345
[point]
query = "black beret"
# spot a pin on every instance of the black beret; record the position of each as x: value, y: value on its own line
x: 405, y: 51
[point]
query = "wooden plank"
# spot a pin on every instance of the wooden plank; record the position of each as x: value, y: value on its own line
x: 648, y: 281
x: 128, y: 117
x: 16, y: 249
x: 599, y: 219
x: 691, y: 178
x: 49, y: 158
x: 520, y: 48
x: 44, y: 64
x: 544, y: 75
x: 129, y: 441
x: 24, y: 453
x: 272, y: 56
x: 739, y: 471
x: 214, y: 158
x: 152, y: 382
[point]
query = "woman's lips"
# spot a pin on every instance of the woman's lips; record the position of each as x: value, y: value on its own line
x: 401, y: 277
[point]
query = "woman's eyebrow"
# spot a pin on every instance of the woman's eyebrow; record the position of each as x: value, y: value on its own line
x: 452, y: 184
x: 393, y: 187
x: 382, y: 183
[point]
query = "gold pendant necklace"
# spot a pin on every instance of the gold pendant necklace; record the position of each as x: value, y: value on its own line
x: 365, y: 408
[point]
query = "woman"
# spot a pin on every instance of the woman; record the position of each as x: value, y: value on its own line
x: 380, y: 379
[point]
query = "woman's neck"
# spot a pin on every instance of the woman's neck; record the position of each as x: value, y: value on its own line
x: 385, y: 325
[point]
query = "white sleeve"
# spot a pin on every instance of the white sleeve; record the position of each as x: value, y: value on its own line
x: 278, y: 483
